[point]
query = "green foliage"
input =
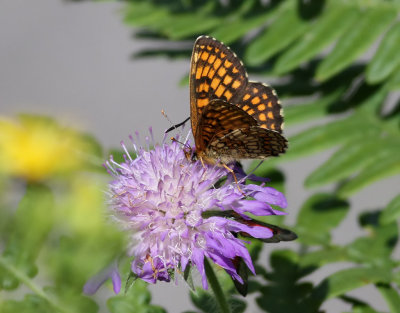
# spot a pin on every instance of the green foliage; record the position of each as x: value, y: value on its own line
x: 319, y: 51
x: 137, y: 299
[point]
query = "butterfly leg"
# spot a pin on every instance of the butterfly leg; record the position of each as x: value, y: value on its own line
x: 234, y: 177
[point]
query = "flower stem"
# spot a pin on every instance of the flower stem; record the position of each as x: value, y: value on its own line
x: 29, y: 283
x: 216, y: 287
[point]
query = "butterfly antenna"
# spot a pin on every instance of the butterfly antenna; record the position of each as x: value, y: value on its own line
x: 174, y: 126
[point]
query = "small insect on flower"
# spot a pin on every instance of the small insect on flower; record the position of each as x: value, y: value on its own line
x: 174, y: 215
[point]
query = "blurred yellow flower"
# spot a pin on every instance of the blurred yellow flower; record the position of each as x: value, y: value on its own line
x: 36, y: 147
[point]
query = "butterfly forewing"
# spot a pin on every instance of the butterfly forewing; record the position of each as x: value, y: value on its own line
x: 216, y: 73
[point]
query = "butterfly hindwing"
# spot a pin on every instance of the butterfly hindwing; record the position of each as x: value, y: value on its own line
x: 252, y: 142
x: 218, y: 118
x: 261, y: 102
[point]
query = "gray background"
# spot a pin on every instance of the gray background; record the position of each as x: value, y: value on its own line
x: 73, y: 61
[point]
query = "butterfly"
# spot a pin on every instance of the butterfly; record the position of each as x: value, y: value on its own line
x: 231, y: 117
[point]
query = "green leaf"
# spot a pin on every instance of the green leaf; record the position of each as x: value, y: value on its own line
x: 302, y: 112
x: 169, y: 23
x: 392, y: 212
x: 30, y: 303
x: 377, y: 247
x: 326, y: 136
x: 323, y: 256
x: 391, y: 296
x: 384, y: 165
x: 356, y: 40
x: 286, y: 28
x: 71, y: 301
x: 145, y: 13
x: 394, y: 80
x: 349, y: 279
x: 396, y: 278
x: 186, y: 25
x: 283, y: 284
x: 230, y: 31
x: 354, y: 156
x: 323, y: 137
x: 386, y: 58
x: 136, y: 300
x: 324, y: 31
x: 32, y: 223
x: 318, y: 216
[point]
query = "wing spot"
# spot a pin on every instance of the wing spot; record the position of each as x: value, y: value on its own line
x: 227, y: 63
x: 228, y: 95
x: 212, y: 58
x: 245, y: 107
x: 198, y: 72
x: 272, y: 126
x: 246, y: 97
x: 264, y: 96
x: 263, y: 125
x: 196, y: 57
x: 204, y: 87
x: 215, y: 83
x: 251, y: 111
x: 209, y: 48
x: 255, y: 90
x: 222, y: 72
x: 262, y: 117
x: 235, y: 70
x: 202, y: 102
x: 255, y: 100
x: 217, y: 63
x: 269, y: 104
x: 204, y: 56
x: 223, y: 55
x: 211, y: 73
x: 270, y: 115
x: 227, y: 79
x: 261, y: 107
x: 220, y: 90
x: 236, y: 85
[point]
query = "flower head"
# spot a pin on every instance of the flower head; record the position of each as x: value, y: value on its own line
x: 176, y: 216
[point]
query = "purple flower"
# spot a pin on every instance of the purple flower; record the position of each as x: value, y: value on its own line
x: 175, y: 216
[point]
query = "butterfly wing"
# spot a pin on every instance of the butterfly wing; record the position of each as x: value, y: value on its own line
x: 248, y: 143
x: 219, y: 118
x: 262, y: 103
x: 225, y: 130
x: 215, y: 73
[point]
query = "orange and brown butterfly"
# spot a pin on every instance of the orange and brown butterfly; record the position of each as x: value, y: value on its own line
x: 232, y: 118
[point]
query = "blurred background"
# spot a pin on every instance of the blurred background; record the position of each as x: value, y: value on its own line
x: 76, y: 61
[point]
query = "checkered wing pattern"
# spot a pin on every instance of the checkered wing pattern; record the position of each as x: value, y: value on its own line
x: 261, y: 102
x: 231, y: 116
x: 215, y: 73
x: 229, y: 133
